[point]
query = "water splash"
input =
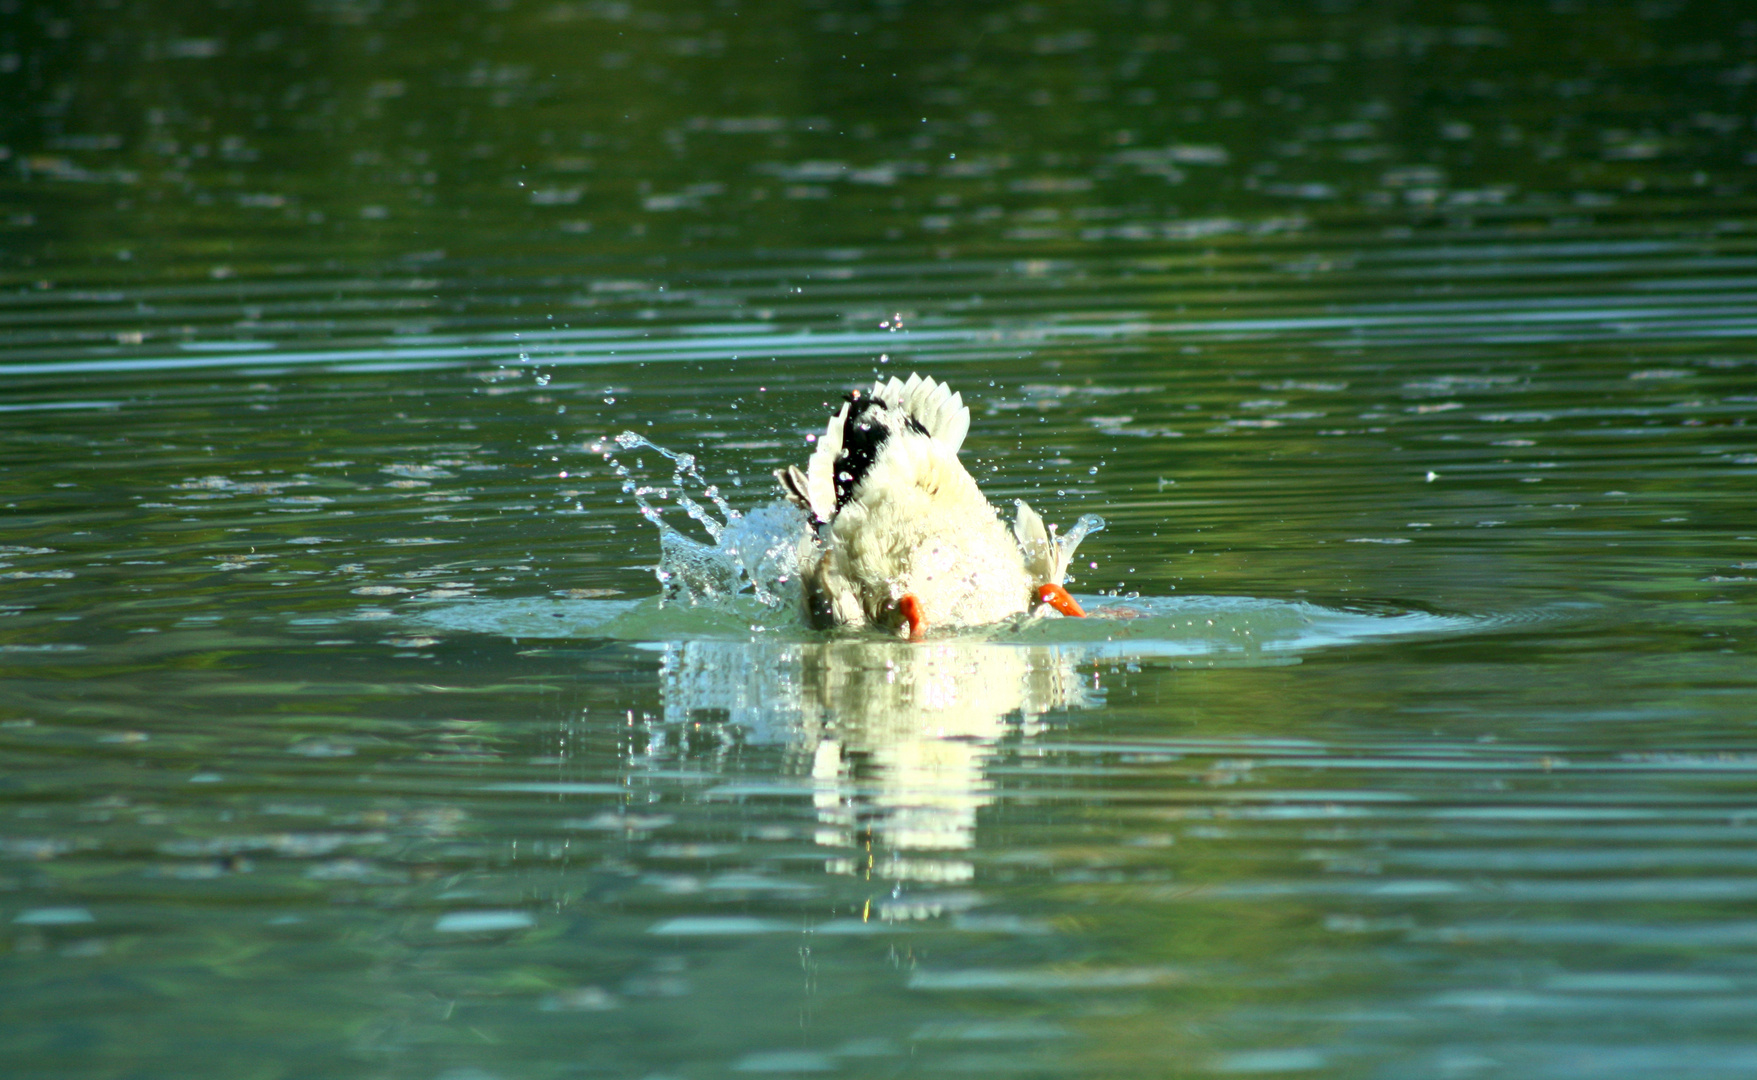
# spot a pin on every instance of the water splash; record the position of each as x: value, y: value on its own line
x: 1065, y: 543
x: 765, y: 550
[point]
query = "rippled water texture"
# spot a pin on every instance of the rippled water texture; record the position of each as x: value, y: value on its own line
x: 1406, y: 351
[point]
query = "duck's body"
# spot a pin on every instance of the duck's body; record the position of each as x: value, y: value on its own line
x: 922, y: 529
x: 907, y: 539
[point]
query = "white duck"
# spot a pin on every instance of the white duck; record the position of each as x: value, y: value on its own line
x: 906, y: 538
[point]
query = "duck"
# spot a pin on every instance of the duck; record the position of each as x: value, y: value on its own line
x: 904, y: 539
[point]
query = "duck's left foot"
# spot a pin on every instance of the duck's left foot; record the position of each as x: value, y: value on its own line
x: 1060, y: 599
x: 911, y: 609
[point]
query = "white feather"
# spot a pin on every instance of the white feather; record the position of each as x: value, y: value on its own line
x: 820, y: 471
x: 933, y: 405
x: 1040, y: 551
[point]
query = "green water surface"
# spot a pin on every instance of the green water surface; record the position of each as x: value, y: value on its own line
x: 1408, y: 351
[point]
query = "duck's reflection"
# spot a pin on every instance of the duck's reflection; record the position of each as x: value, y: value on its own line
x: 894, y: 737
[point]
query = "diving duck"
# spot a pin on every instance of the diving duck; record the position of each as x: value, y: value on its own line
x: 907, y: 540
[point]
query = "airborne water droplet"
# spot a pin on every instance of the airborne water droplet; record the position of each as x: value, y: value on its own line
x: 764, y: 549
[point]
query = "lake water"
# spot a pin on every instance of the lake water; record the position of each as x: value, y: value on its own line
x: 1409, y: 354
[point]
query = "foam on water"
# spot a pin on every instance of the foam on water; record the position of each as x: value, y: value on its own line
x: 1234, y: 630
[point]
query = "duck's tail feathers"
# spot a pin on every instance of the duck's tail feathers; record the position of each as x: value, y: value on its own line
x: 1047, y: 555
x: 940, y: 412
x: 930, y: 408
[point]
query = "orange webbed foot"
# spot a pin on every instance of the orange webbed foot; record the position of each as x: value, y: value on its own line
x: 911, y: 609
x: 1060, y: 599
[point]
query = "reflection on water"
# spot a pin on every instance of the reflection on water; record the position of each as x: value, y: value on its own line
x: 892, y: 739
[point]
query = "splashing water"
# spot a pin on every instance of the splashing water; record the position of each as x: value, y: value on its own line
x: 1065, y: 543
x: 765, y: 549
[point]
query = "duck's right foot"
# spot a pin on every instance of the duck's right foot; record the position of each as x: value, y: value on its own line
x: 1060, y: 599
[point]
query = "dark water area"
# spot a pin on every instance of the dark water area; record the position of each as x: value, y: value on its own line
x: 1409, y: 353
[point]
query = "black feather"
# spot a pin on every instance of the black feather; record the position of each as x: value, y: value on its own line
x: 863, y: 436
